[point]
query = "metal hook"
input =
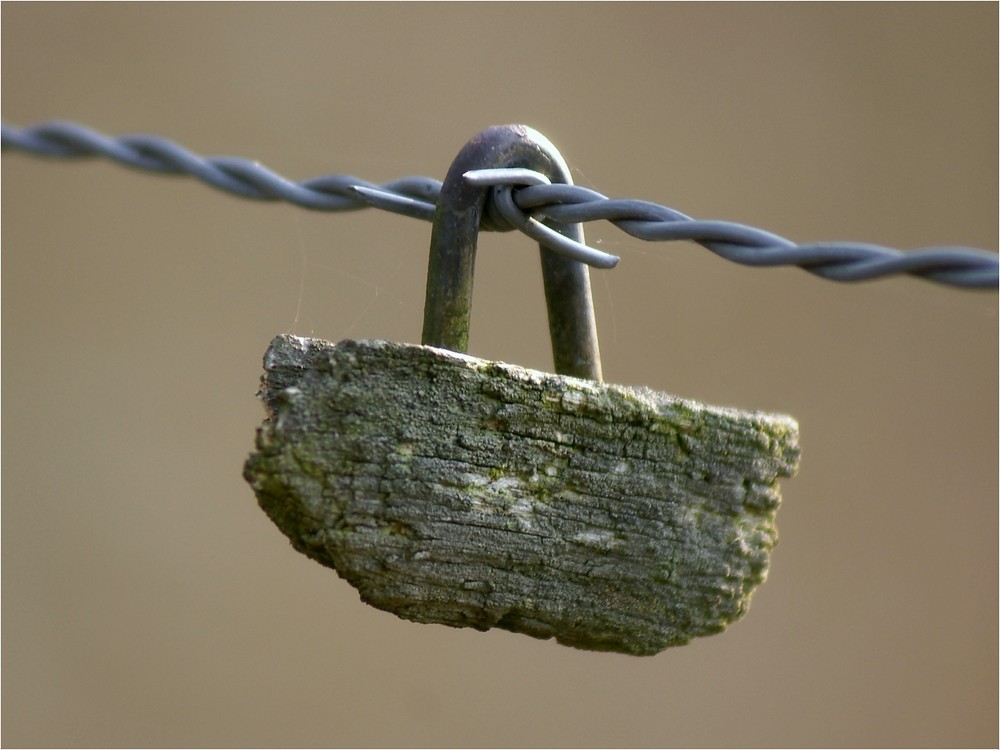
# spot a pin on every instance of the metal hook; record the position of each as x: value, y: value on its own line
x: 463, y: 209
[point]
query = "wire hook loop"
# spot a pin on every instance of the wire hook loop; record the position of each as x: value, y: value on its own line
x: 464, y: 208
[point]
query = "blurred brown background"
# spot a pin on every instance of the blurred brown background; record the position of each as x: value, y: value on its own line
x: 148, y: 601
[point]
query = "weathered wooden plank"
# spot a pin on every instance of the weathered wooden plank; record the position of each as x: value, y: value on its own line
x: 454, y: 490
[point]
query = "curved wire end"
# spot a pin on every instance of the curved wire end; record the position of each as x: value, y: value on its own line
x: 506, y: 176
x: 504, y: 181
x: 553, y: 240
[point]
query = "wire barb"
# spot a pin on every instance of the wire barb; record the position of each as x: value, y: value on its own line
x: 521, y: 198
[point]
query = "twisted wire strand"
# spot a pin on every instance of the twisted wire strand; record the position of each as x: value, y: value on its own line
x: 739, y: 243
x: 520, y: 198
x: 240, y: 177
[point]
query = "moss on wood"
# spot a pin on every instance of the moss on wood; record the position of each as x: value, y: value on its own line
x: 452, y: 490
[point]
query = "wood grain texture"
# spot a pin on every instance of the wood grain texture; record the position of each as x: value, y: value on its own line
x: 453, y: 490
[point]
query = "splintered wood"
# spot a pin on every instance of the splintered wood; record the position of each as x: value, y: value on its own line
x: 452, y: 490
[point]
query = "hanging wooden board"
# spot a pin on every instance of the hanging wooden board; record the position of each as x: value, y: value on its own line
x: 449, y: 489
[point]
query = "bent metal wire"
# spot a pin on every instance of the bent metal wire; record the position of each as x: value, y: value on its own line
x: 464, y: 208
x: 520, y: 199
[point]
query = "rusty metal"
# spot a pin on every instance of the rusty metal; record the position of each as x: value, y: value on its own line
x: 463, y: 209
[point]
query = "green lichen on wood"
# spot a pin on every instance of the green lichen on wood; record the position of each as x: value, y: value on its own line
x: 452, y: 490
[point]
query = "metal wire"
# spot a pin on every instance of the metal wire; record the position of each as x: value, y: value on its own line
x: 519, y: 199
x: 241, y: 177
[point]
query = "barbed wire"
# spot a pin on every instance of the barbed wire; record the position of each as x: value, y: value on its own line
x: 519, y: 198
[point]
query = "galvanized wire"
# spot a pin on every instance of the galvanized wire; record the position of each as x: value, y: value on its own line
x: 520, y: 197
x: 240, y: 177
